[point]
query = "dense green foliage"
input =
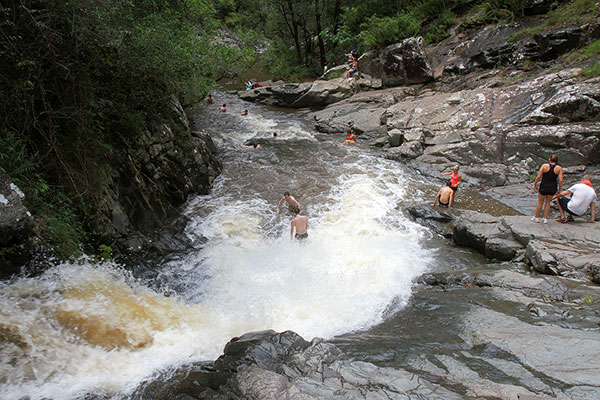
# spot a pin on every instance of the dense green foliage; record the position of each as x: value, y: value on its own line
x: 305, y: 35
x: 79, y: 75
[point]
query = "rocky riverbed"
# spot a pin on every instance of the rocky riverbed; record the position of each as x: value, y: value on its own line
x: 529, y: 321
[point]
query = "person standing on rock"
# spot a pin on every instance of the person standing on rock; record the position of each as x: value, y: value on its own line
x: 583, y: 196
x: 444, y: 196
x: 290, y: 200
x: 456, y: 179
x: 551, y: 176
x: 300, y: 223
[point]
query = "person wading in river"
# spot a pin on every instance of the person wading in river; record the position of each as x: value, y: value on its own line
x: 300, y: 223
x: 444, y: 196
x: 291, y: 202
x: 549, y: 174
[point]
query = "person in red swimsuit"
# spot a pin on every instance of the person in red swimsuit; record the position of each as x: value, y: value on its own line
x: 456, y: 179
x: 350, y: 138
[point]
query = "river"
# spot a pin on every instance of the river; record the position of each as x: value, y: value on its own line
x: 86, y: 328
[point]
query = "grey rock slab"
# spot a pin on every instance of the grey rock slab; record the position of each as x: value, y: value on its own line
x: 396, y: 381
x: 566, y: 355
x: 525, y: 230
x: 479, y: 387
x: 570, y: 258
x: 502, y: 249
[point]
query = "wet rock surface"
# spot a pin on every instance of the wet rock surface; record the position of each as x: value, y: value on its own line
x: 495, y: 352
x: 570, y: 250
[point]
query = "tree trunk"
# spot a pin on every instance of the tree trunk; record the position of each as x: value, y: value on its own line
x: 319, y: 37
x: 337, y: 11
x: 292, y: 24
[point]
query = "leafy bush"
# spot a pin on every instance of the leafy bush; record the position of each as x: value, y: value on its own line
x: 80, y: 79
x: 438, y: 29
x: 381, y: 31
x: 56, y: 221
x: 592, y: 70
x: 501, y: 10
x: 281, y: 61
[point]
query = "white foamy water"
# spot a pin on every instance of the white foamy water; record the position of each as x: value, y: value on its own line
x: 84, y: 328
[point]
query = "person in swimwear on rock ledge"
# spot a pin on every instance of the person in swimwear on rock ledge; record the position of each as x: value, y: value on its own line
x: 300, y: 222
x: 456, y: 179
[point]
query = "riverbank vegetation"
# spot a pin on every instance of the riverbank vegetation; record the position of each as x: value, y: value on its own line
x: 77, y: 77
x: 305, y: 35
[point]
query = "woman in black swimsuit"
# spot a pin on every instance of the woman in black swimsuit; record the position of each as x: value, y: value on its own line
x: 549, y: 174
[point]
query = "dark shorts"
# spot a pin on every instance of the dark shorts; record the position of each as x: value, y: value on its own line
x: 563, y: 201
x: 444, y: 204
x: 455, y: 188
x: 547, y: 192
x: 301, y: 236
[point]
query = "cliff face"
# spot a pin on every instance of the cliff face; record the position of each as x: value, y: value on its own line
x: 152, y: 173
x: 155, y: 173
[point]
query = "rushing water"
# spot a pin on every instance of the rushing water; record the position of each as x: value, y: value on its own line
x: 85, y: 328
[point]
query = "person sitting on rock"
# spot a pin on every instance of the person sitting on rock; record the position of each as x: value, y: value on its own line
x: 551, y: 175
x: 350, y: 138
x: 444, y: 196
x: 583, y: 196
x: 353, y: 69
x: 352, y: 56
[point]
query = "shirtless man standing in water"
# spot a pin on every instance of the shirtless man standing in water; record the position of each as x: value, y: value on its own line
x: 300, y: 222
x: 291, y: 202
x: 444, y: 196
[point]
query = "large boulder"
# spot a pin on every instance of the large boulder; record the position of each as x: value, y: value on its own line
x: 363, y: 118
x: 398, y: 64
x: 278, y: 95
x: 549, y: 45
x: 317, y: 93
x: 271, y: 366
x: 489, y: 48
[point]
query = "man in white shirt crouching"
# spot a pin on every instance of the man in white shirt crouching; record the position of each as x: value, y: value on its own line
x: 583, y: 196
